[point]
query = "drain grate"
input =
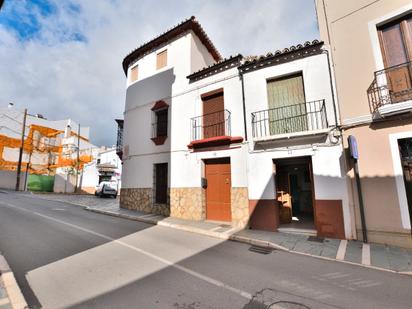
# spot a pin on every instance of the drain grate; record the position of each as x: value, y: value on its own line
x: 317, y: 239
x: 260, y: 250
x: 287, y: 305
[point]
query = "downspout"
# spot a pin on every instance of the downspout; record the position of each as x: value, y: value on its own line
x: 243, y: 103
x: 332, y: 89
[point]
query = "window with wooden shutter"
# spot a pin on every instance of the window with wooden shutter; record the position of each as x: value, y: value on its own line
x: 133, y: 74
x: 396, y: 46
x: 287, y: 107
x: 161, y: 183
x: 161, y: 60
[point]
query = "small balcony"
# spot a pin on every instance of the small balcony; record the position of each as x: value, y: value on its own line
x: 119, y: 141
x: 213, y: 129
x: 290, y: 121
x: 391, y: 91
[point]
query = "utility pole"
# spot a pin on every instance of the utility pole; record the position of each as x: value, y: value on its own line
x: 27, y: 172
x: 21, y: 151
x: 78, y: 157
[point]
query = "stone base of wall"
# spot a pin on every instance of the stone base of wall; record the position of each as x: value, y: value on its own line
x: 240, y: 206
x: 141, y: 199
x: 187, y: 203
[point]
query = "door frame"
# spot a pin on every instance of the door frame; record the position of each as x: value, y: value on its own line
x: 302, y: 160
x: 224, y: 160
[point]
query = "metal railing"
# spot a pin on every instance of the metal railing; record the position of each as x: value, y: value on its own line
x: 390, y: 85
x: 210, y: 125
x: 308, y: 116
x: 159, y: 128
x: 119, y: 142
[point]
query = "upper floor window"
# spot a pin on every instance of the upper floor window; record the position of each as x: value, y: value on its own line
x: 287, y: 107
x: 133, y: 74
x: 161, y: 59
x: 396, y: 41
x: 159, y: 122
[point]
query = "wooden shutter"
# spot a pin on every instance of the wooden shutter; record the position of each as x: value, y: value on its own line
x: 161, y: 60
x: 134, y: 74
x: 396, y: 46
x: 287, y: 108
x: 161, y: 183
x: 213, y: 115
x: 393, y: 46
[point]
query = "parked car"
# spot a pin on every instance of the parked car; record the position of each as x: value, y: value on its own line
x: 106, y: 188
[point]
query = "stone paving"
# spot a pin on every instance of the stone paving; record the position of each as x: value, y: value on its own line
x: 381, y: 256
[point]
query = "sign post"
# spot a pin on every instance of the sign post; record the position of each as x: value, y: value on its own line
x: 353, y: 149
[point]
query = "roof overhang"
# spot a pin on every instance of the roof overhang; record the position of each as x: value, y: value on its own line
x: 185, y: 26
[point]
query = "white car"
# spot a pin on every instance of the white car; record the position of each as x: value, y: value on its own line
x: 106, y: 188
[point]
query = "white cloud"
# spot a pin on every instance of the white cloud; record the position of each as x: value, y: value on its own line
x: 61, y: 78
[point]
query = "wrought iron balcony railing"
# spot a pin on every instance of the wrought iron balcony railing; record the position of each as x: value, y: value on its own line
x: 308, y: 116
x: 119, y: 141
x: 210, y: 125
x: 159, y: 128
x: 391, y: 85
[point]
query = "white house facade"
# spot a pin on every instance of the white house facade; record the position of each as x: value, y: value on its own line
x: 251, y: 142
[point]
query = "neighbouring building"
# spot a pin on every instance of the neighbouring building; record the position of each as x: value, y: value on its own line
x: 49, y: 152
x: 249, y: 141
x: 371, y: 54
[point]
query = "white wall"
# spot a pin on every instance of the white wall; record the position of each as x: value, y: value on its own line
x: 8, y: 180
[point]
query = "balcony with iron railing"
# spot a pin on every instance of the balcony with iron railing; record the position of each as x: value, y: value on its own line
x: 391, y: 90
x: 290, y: 121
x: 119, y: 141
x: 213, y: 129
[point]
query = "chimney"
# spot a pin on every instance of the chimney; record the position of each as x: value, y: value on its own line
x: 10, y: 105
x: 67, y: 131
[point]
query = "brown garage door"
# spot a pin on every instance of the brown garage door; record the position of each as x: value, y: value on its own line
x: 218, y: 205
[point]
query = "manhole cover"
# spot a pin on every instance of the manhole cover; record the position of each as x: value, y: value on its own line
x: 261, y: 250
x: 317, y: 239
x: 287, y: 305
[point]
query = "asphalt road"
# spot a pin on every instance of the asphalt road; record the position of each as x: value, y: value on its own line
x: 66, y: 257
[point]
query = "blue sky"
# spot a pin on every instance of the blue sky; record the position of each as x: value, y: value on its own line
x: 62, y: 58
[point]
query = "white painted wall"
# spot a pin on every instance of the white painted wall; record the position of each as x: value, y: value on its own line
x: 8, y: 180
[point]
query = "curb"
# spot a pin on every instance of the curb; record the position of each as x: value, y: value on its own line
x: 238, y: 238
x: 14, y: 293
x: 232, y: 237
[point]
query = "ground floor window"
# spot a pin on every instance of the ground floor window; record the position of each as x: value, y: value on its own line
x: 160, y: 183
x: 405, y: 151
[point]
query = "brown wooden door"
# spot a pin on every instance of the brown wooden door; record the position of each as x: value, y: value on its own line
x: 283, y: 195
x: 218, y: 201
x: 213, y: 115
x: 396, y: 44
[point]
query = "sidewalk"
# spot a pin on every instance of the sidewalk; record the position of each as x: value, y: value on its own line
x: 389, y: 258
x: 10, y: 294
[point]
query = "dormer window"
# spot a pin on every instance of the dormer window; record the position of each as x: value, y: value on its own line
x: 133, y: 74
x: 161, y: 59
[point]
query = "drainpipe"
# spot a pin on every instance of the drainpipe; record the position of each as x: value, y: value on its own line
x: 331, y: 87
x: 243, y: 103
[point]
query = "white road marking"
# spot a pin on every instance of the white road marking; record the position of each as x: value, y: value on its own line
x: 340, y: 255
x: 366, y: 254
x: 13, y: 291
x: 153, y: 256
